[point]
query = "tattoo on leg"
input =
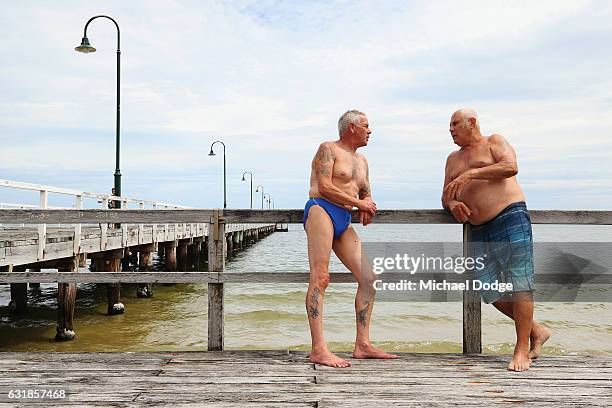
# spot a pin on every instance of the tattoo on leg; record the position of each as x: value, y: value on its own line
x: 363, y: 313
x: 314, y: 303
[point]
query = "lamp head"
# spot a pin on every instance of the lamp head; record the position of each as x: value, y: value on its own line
x: 243, y: 178
x: 85, y: 47
x: 211, y: 152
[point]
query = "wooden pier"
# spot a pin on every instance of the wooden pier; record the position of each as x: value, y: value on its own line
x: 285, y: 378
x: 216, y: 277
x: 110, y: 246
x: 288, y: 379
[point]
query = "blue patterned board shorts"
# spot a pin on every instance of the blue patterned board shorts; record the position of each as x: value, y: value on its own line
x: 506, y: 243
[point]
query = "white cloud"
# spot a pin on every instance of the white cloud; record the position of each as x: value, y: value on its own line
x: 271, y: 78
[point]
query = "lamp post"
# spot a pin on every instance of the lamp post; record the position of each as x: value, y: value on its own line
x: 262, y: 194
x: 268, y: 200
x: 251, y: 174
x: 86, y: 47
x: 212, y: 153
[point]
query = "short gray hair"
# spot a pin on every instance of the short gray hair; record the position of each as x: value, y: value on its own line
x: 350, y: 116
x: 468, y: 113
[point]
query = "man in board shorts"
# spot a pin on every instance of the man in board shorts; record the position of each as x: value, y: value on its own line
x: 480, y: 187
x: 338, y: 182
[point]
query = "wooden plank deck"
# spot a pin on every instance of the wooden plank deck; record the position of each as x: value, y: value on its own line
x: 284, y: 378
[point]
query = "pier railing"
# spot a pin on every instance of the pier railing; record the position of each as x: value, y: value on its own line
x: 217, y: 221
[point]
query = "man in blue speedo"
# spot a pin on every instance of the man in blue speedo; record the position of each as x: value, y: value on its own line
x: 480, y: 187
x: 339, y: 182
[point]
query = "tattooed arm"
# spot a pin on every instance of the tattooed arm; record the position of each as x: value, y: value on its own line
x: 323, y: 168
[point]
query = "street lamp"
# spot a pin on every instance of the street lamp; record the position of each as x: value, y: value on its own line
x: 248, y: 172
x: 268, y: 200
x: 86, y: 47
x: 262, y: 194
x: 212, y: 153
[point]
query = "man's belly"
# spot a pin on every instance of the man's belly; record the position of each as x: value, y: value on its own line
x: 487, y: 199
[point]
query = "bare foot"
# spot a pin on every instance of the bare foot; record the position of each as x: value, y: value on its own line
x: 520, y: 361
x: 328, y: 358
x: 369, y: 351
x: 539, y: 336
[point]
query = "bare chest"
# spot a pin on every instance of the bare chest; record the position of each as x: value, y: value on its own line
x: 467, y: 160
x: 349, y: 168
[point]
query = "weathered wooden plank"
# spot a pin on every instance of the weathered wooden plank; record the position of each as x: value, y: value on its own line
x: 227, y: 277
x: 229, y: 404
x: 416, y: 216
x: 406, y: 403
x: 315, y: 392
x: 92, y: 216
x: 254, y: 378
x: 268, y: 376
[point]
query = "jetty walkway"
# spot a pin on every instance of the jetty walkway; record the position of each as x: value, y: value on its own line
x: 288, y: 379
x: 30, y: 249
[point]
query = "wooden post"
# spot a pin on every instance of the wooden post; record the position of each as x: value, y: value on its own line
x: 66, y: 299
x: 239, y: 239
x: 182, y: 255
x: 82, y: 260
x: 42, y: 228
x: 34, y: 285
x: 190, y: 256
x: 197, y: 252
x: 170, y: 255
x: 472, y: 330
x: 77, y: 227
x: 19, y: 293
x: 230, y: 244
x: 205, y: 241
x: 145, y: 262
x: 112, y: 263
x: 216, y: 263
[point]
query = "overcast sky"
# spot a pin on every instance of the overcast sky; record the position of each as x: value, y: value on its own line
x: 270, y: 79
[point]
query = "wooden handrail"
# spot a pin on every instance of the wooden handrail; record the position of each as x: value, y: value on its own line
x: 161, y: 216
x: 216, y: 276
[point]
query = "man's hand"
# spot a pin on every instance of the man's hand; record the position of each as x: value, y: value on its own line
x: 460, y: 211
x: 365, y: 217
x: 453, y: 190
x: 367, y: 205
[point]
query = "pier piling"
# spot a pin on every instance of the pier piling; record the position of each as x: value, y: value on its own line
x: 66, y: 300
x: 111, y: 262
x: 182, y: 256
x: 170, y: 256
x: 145, y: 263
x: 19, y: 293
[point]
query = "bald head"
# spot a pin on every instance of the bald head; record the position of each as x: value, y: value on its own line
x: 464, y: 127
x: 466, y: 114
